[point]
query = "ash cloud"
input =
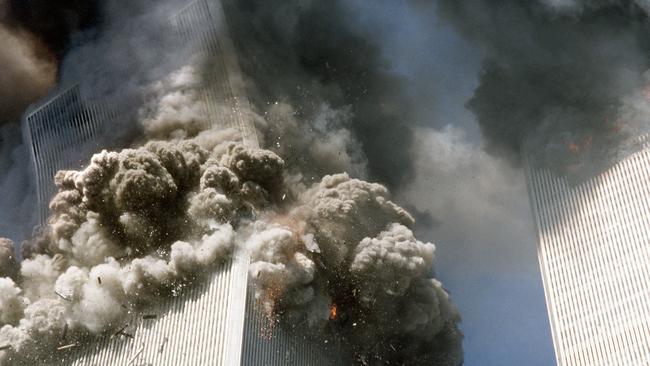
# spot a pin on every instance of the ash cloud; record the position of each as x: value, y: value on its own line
x: 338, y: 244
x: 316, y: 58
x: 564, y: 76
x: 323, y: 101
x: 315, y: 244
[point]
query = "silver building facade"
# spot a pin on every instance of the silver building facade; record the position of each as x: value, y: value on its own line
x: 594, y: 254
x: 60, y: 134
x: 203, y: 29
x: 216, y: 322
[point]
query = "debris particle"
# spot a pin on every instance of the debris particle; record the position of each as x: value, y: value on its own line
x: 136, y: 355
x: 162, y: 345
x: 61, y: 296
x: 121, y: 331
x: 62, y: 348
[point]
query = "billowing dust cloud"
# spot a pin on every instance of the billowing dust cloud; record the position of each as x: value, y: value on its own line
x: 136, y: 226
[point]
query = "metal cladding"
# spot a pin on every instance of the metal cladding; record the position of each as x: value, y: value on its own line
x: 593, y: 251
x: 58, y: 132
x: 200, y: 326
x: 203, y: 29
x: 215, y: 322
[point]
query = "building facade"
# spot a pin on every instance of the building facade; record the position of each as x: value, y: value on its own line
x: 203, y: 30
x: 594, y: 251
x: 215, y: 322
x: 61, y: 132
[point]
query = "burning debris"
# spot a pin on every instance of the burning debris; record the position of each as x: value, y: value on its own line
x: 333, y: 312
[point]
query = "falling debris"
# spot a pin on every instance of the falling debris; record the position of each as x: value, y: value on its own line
x: 61, y: 296
x: 65, y: 332
x: 162, y: 345
x: 149, y: 316
x: 137, y: 354
x: 120, y: 331
x: 333, y: 311
x: 62, y: 348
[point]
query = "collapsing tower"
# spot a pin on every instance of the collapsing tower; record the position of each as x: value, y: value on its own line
x: 593, y: 250
x: 216, y: 321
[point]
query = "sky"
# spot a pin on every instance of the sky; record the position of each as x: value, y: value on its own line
x: 483, y: 226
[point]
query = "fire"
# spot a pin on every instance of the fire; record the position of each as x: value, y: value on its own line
x: 333, y: 311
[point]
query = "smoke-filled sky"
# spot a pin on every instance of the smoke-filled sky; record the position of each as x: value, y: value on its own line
x: 432, y: 99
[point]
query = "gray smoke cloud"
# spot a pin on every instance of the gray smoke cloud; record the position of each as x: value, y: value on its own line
x: 564, y: 77
x: 336, y: 254
x: 312, y: 64
x: 328, y: 250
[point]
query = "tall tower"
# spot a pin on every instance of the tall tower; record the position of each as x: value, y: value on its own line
x: 60, y: 133
x: 594, y: 254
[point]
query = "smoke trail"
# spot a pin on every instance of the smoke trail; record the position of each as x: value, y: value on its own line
x: 566, y: 76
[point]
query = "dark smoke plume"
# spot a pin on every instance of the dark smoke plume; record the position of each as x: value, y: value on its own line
x: 314, y: 56
x: 53, y: 22
x: 561, y: 76
x: 35, y: 35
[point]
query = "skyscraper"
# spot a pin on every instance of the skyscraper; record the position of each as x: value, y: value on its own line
x: 60, y: 132
x: 217, y: 321
x: 594, y: 250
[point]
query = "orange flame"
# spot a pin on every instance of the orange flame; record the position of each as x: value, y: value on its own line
x: 333, y: 311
